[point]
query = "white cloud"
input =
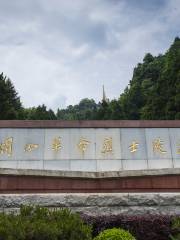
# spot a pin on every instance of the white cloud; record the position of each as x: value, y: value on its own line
x: 58, y: 52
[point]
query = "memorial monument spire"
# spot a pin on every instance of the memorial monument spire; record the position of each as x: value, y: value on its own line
x: 104, y: 99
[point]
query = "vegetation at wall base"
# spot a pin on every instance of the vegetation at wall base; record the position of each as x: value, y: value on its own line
x: 114, y: 234
x: 146, y: 227
x: 39, y: 223
x: 175, y: 229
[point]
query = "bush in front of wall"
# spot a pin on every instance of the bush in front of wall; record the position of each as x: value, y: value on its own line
x: 39, y: 223
x: 146, y: 227
x: 114, y: 234
x: 175, y: 228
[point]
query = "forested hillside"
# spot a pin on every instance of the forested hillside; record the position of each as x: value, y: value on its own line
x: 153, y: 93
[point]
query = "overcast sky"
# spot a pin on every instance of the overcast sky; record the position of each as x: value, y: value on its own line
x: 57, y: 52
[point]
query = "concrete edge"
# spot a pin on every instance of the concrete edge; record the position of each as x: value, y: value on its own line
x: 91, y: 175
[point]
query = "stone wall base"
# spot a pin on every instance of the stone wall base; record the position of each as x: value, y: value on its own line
x: 98, y: 203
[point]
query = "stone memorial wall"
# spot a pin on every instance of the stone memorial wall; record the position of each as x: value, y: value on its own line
x: 90, y: 146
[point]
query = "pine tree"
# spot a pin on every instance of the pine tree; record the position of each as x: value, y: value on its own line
x: 10, y: 105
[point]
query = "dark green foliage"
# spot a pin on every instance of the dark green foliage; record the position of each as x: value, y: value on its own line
x: 35, y: 223
x: 175, y: 228
x: 86, y: 109
x: 114, y: 234
x: 39, y: 113
x: 153, y: 92
x: 10, y: 105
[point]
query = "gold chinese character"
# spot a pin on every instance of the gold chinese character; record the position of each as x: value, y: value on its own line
x: 158, y: 146
x: 6, y: 146
x: 107, y: 145
x: 178, y: 148
x: 134, y: 146
x: 30, y: 147
x: 56, y: 144
x: 83, y: 144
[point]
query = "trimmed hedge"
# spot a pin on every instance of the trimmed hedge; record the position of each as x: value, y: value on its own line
x: 114, y: 234
x: 149, y: 227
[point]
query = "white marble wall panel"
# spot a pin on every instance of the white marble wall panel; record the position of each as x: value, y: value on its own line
x: 134, y: 164
x: 94, y: 157
x: 84, y: 136
x: 57, y: 165
x: 83, y: 165
x: 21, y: 137
x: 62, y: 151
x: 31, y: 136
x: 158, y: 148
x: 158, y: 143
x: 160, y: 163
x: 101, y: 136
x: 8, y: 164
x: 30, y: 164
x: 109, y: 165
x: 16, y: 151
x: 176, y: 163
x: 175, y: 142
x: 133, y: 144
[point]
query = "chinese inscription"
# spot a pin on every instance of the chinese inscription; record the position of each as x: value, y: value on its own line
x: 83, y: 144
x: 158, y: 146
x: 56, y: 144
x: 30, y: 147
x: 107, y: 145
x: 178, y: 148
x: 133, y: 147
x: 6, y: 146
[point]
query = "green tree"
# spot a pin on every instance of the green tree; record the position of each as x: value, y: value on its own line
x: 85, y: 110
x: 154, y: 91
x: 10, y: 105
x: 39, y: 113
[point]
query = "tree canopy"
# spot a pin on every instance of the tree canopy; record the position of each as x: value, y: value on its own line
x: 10, y: 105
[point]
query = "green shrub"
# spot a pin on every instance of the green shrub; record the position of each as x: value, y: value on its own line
x: 39, y: 223
x: 114, y: 234
x: 176, y: 228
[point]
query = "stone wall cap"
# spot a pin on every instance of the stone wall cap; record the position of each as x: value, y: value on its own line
x: 91, y: 175
x: 90, y: 124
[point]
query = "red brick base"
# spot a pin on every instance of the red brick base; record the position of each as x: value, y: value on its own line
x: 39, y: 184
